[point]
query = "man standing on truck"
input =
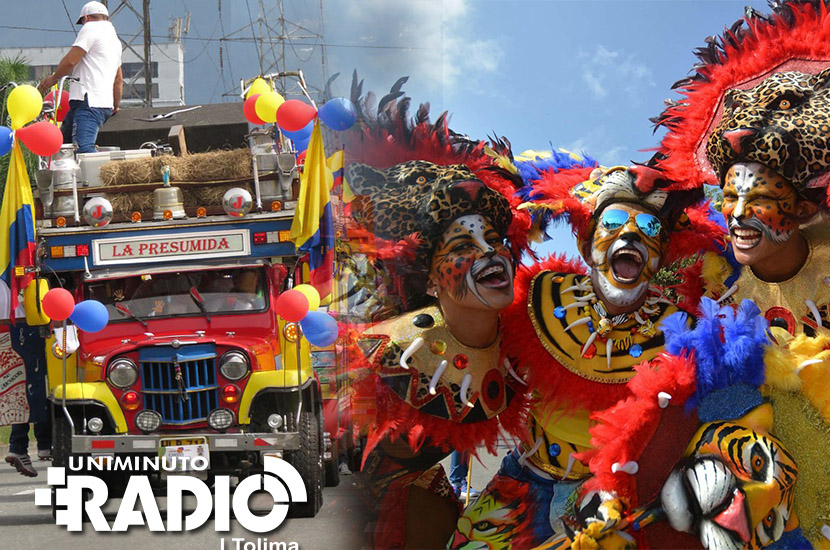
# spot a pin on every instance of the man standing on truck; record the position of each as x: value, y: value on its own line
x: 95, y: 60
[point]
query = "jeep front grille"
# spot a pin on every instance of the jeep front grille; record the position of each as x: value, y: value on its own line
x: 180, y: 384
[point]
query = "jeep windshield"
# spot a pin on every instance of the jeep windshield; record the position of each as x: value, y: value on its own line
x: 159, y: 295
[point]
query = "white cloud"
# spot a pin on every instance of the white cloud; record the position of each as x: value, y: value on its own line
x: 597, y: 146
x: 607, y: 73
x: 431, y: 41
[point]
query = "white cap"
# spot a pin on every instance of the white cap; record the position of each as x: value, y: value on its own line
x: 92, y: 8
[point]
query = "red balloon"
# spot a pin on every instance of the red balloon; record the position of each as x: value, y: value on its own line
x: 294, y: 115
x: 249, y: 108
x: 292, y: 305
x: 58, y: 304
x: 42, y: 138
x: 63, y: 108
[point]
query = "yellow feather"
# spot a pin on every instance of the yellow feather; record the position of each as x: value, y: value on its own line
x: 715, y: 268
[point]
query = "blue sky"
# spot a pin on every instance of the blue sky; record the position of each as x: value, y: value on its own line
x: 583, y: 75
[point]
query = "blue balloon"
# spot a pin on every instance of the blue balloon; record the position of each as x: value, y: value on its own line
x: 319, y: 328
x: 90, y: 316
x: 338, y: 113
x: 302, y: 134
x: 6, y: 140
x: 301, y: 144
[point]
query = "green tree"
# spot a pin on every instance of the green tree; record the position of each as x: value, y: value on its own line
x: 15, y: 70
x: 714, y: 194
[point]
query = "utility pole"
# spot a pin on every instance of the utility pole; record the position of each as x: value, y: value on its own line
x: 273, y: 33
x: 131, y: 43
x: 148, y: 73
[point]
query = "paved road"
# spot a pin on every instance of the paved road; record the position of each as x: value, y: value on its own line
x: 340, y: 524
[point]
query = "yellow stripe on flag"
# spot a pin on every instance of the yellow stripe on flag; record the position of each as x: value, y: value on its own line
x: 315, y: 185
x: 336, y: 160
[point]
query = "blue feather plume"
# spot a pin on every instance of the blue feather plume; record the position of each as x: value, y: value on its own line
x: 531, y: 170
x: 728, y: 345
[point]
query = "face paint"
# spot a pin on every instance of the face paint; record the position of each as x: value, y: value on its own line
x: 471, y: 264
x: 503, y: 516
x: 626, y: 251
x: 759, y: 206
x: 739, y: 484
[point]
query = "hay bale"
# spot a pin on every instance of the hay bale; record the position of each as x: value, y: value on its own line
x: 129, y: 172
x: 210, y: 195
x: 127, y: 203
x: 210, y: 166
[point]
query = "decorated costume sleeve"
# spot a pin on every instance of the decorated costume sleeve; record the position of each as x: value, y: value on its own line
x: 733, y: 484
x: 430, y: 389
x: 798, y: 384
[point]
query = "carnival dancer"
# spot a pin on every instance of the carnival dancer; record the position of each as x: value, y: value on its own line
x: 439, y: 209
x: 577, y: 338
x: 733, y: 485
x: 754, y: 120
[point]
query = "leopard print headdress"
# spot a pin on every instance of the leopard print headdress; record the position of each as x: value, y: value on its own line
x: 424, y: 198
x: 760, y: 93
x: 415, y: 177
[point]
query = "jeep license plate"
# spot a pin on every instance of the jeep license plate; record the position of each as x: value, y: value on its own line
x: 186, y: 449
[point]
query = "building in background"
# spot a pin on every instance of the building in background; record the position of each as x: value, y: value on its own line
x: 167, y: 71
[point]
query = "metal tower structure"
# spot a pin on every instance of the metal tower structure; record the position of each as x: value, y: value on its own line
x: 276, y: 38
x: 139, y: 43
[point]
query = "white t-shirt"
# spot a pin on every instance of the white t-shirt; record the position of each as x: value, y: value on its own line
x: 97, y: 68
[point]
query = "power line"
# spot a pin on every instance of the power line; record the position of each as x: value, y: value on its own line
x: 71, y: 21
x: 240, y: 39
x: 258, y: 52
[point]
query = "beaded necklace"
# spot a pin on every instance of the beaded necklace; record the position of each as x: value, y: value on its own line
x: 602, y: 328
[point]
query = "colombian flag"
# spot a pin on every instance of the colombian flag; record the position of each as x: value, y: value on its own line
x: 313, y: 227
x: 17, y: 227
x: 336, y: 164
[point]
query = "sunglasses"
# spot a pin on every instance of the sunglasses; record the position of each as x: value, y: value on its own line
x: 612, y: 219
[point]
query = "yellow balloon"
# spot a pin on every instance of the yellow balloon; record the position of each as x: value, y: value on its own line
x: 259, y: 86
x: 267, y: 104
x: 311, y: 293
x: 33, y: 295
x: 24, y: 104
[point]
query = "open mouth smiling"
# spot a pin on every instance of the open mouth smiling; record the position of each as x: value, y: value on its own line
x: 744, y: 237
x: 626, y: 264
x: 493, y: 275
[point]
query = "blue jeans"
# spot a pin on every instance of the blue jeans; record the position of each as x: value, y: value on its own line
x: 19, y: 437
x: 458, y: 469
x: 82, y: 123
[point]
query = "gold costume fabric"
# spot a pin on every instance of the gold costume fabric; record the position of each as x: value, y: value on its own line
x: 565, y: 319
x: 786, y: 305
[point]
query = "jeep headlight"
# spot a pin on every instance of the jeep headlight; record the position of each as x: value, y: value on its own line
x: 234, y: 365
x: 122, y: 373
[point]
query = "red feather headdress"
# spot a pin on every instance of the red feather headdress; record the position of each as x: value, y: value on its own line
x: 387, y: 136
x: 578, y: 194
x: 795, y: 37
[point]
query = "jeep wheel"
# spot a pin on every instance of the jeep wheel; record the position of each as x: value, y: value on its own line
x: 333, y: 466
x: 61, y: 450
x: 61, y: 441
x: 309, y: 463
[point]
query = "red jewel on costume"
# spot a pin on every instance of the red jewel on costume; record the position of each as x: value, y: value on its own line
x: 781, y: 317
x: 590, y: 352
x: 460, y: 361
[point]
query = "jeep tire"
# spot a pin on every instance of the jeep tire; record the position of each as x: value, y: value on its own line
x: 308, y: 461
